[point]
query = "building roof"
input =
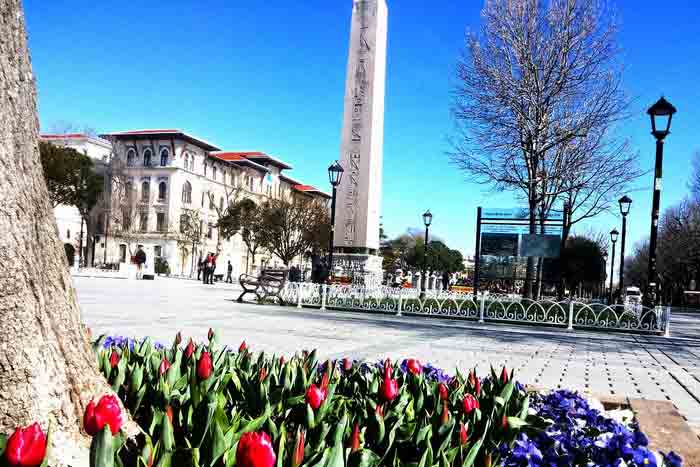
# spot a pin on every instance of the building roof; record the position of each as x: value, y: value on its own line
x: 237, y: 159
x: 150, y: 133
x: 259, y: 157
x: 290, y: 180
x: 74, y: 136
x: 308, y: 189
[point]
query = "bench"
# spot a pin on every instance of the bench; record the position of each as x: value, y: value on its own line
x: 269, y: 284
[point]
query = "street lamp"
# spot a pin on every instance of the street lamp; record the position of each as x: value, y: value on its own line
x: 602, y: 282
x: 625, y: 203
x: 427, y: 220
x: 661, y: 114
x: 335, y: 175
x: 613, y: 238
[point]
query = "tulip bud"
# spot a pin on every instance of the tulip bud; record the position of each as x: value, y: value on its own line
x: 189, y: 350
x: 504, y: 375
x: 113, y: 359
x: 164, y: 366
x: 414, y: 366
x: 443, y: 391
x: 477, y: 387
x: 210, y: 334
x: 389, y: 389
x: 347, y: 364
x: 298, y: 454
x: 282, y: 360
x: 178, y: 338
x: 326, y: 377
x: 445, y: 417
x: 26, y: 446
x: 315, y: 396
x: 169, y: 413
x: 463, y: 434
x: 379, y: 410
x: 504, y: 422
x: 255, y: 450
x: 243, y: 347
x: 472, y: 378
x: 487, y: 459
x: 355, y: 438
x: 469, y: 404
x: 262, y: 374
x: 105, y: 412
x: 204, y: 366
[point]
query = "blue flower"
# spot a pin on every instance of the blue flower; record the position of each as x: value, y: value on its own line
x: 672, y: 459
x: 643, y: 457
x: 525, y: 453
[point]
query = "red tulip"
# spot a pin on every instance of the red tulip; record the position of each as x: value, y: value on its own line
x: 472, y: 378
x: 178, y: 338
x: 326, y: 377
x: 255, y: 450
x: 445, y: 417
x: 444, y: 392
x: 379, y: 410
x: 390, y: 387
x: 477, y: 387
x: 298, y: 454
x: 282, y: 360
x: 487, y: 459
x: 204, y: 366
x: 243, y: 347
x: 504, y: 422
x: 470, y: 403
x: 463, y: 434
x: 347, y: 364
x: 114, y: 359
x: 169, y: 413
x: 106, y: 412
x: 414, y: 366
x: 164, y: 366
x: 189, y: 350
x: 355, y: 438
x: 26, y: 446
x: 210, y: 334
x: 262, y: 374
x: 315, y: 396
x: 504, y: 375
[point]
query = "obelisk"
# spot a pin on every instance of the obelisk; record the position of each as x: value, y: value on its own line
x: 356, y: 241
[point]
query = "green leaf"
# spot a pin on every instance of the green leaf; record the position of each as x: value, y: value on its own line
x: 516, y: 422
x: 219, y: 443
x: 253, y: 425
x: 167, y: 436
x: 3, y: 443
x: 499, y: 400
x: 102, y: 449
x: 524, y: 410
x: 49, y: 442
x: 364, y: 458
x: 474, y: 450
x: 280, y: 447
x: 165, y: 460
x: 508, y: 391
x: 310, y: 418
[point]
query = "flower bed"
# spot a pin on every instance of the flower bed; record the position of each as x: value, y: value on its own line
x: 207, y: 405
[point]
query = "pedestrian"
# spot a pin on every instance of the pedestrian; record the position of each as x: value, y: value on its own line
x: 229, y: 270
x: 212, y: 269
x: 140, y: 261
x: 205, y: 269
x: 200, y: 265
x: 445, y: 281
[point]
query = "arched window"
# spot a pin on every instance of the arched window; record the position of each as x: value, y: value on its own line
x: 164, y: 156
x: 205, y: 169
x: 145, y: 192
x: 187, y: 161
x: 203, y: 194
x: 162, y: 191
x: 213, y: 173
x: 130, y: 157
x: 128, y: 190
x: 147, y: 156
x: 187, y: 193
x: 221, y: 204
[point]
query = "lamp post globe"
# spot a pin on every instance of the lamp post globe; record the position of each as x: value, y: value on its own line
x: 335, y: 175
x: 427, y: 218
x: 625, y: 203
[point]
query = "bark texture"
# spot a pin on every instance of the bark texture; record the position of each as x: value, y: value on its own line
x: 47, y: 368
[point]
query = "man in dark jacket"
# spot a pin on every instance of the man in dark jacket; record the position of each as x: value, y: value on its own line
x: 140, y: 261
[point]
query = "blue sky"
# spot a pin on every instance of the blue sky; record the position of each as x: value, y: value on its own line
x: 270, y: 76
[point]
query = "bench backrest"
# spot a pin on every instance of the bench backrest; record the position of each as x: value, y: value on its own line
x: 274, y: 274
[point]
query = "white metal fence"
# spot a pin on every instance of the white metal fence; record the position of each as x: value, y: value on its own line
x: 570, y: 314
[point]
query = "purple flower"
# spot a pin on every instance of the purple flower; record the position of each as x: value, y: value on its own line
x: 643, y: 457
x: 672, y: 459
x: 525, y: 453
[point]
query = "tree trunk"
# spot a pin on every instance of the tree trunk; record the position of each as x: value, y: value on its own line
x: 47, y: 367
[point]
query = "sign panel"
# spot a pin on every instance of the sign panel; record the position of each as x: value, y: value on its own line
x: 499, y: 244
x: 515, y: 214
x: 540, y: 246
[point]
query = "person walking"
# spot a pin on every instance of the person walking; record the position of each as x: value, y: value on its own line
x: 446, y: 281
x: 212, y: 269
x: 229, y: 270
x: 205, y: 269
x: 140, y: 261
x: 200, y: 264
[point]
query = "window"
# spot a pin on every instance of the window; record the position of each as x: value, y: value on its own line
x: 143, y: 221
x: 183, y: 222
x: 68, y: 234
x: 147, y: 156
x: 203, y: 195
x: 128, y: 190
x: 157, y: 251
x: 251, y: 183
x: 186, y: 193
x: 211, y: 202
x: 145, y: 192
x: 126, y: 219
x: 164, y: 156
x: 187, y: 161
x: 122, y: 253
x: 192, y: 163
x: 130, y: 157
x: 221, y: 204
x: 162, y: 191
x: 100, y: 224
x: 213, y: 173
x: 205, y: 170
x: 210, y: 231
x: 160, y: 222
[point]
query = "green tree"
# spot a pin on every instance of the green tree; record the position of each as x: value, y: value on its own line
x: 440, y: 257
x: 583, y: 266
x: 70, y: 177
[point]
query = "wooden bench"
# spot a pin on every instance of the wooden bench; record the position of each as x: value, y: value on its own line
x: 269, y: 284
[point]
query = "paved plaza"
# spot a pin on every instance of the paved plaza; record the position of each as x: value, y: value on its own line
x: 602, y: 363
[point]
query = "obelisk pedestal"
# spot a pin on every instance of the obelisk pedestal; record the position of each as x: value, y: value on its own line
x: 356, y: 242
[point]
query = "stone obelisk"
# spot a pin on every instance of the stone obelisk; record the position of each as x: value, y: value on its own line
x: 356, y: 241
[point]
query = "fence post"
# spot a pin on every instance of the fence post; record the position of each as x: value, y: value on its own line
x: 398, y: 311
x: 571, y: 315
x: 324, y: 289
x: 667, y: 326
x: 481, y: 307
x: 299, y: 295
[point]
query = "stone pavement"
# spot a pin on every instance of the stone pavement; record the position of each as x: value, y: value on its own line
x: 601, y: 363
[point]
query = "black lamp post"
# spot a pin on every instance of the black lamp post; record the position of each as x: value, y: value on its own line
x: 335, y: 174
x: 613, y: 238
x: 602, y: 282
x: 661, y: 114
x: 625, y: 203
x: 427, y: 220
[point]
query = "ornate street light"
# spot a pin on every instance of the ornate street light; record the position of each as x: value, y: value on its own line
x: 661, y: 114
x: 335, y: 175
x: 613, y: 238
x: 602, y: 282
x: 427, y: 220
x: 625, y: 203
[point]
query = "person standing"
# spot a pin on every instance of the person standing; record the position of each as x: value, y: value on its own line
x: 445, y: 281
x: 140, y: 261
x: 212, y: 269
x: 200, y: 262
x: 229, y: 270
x: 205, y: 269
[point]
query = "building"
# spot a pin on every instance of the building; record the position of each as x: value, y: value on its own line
x: 68, y: 219
x: 169, y: 171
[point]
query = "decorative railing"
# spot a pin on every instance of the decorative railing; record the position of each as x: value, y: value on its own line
x: 569, y: 314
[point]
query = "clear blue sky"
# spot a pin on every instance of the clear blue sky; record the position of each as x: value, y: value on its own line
x: 269, y: 76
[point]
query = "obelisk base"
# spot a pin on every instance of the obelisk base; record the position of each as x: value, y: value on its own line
x: 358, y: 269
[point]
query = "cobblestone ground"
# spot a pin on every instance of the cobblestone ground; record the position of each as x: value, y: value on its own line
x: 648, y: 367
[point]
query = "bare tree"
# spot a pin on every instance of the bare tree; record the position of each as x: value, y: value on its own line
x: 225, y: 207
x: 539, y: 78
x: 694, y: 181
x: 47, y: 367
x: 188, y: 235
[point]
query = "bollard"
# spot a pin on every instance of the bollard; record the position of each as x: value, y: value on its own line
x: 571, y: 315
x: 481, y: 308
x: 298, y: 295
x: 324, y: 288
x: 667, y: 330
